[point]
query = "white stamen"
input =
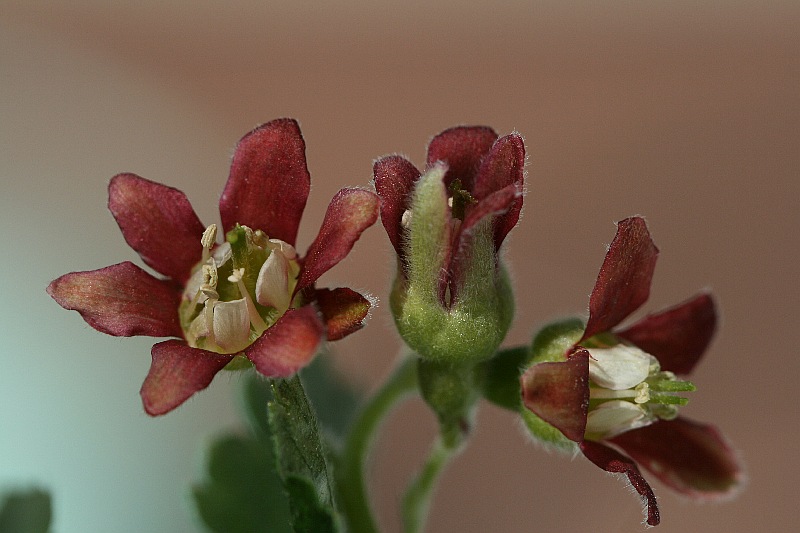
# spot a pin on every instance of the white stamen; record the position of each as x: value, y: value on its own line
x: 642, y: 393
x: 208, y: 240
x: 255, y: 318
x: 405, y: 220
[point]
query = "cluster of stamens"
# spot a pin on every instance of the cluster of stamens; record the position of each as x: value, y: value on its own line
x: 223, y: 317
x: 629, y: 390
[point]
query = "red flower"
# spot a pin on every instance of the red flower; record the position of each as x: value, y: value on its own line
x: 251, y: 295
x: 616, y: 388
x: 489, y: 172
x: 452, y: 297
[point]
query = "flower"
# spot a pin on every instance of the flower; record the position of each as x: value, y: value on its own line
x: 616, y: 389
x: 451, y: 298
x: 252, y: 295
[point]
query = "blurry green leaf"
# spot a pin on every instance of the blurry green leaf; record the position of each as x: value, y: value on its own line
x: 333, y: 399
x: 301, y: 455
x: 244, y: 493
x: 26, y: 512
x: 308, y: 513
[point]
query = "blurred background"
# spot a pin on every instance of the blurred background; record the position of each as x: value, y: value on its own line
x: 686, y: 112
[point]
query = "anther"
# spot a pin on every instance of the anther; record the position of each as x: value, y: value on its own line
x: 208, y: 240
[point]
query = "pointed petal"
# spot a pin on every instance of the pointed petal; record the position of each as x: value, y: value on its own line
x: 343, y: 310
x: 121, y: 300
x: 350, y: 212
x: 158, y: 222
x: 272, y: 285
x: 677, y: 336
x: 289, y: 344
x: 177, y: 372
x: 269, y: 181
x: 395, y: 178
x: 616, y: 463
x: 462, y: 148
x: 503, y: 166
x: 558, y: 393
x: 495, y: 205
x: 623, y: 284
x: 692, y: 458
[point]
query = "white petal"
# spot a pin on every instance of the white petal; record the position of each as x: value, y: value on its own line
x: 286, y: 249
x: 615, y: 417
x: 231, y: 325
x: 272, y: 286
x: 618, y: 368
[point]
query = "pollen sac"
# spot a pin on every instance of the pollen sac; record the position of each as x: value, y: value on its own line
x: 237, y: 290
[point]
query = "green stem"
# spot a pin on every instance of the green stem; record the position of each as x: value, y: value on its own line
x: 417, y: 499
x: 353, y: 497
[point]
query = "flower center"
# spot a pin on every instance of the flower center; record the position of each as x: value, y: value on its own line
x: 237, y: 290
x: 628, y: 390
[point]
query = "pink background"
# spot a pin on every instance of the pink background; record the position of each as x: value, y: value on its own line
x: 686, y: 112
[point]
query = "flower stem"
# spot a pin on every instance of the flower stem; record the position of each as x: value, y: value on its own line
x: 353, y: 498
x: 417, y: 499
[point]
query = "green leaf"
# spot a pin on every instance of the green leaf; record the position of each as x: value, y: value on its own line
x: 501, y: 377
x: 244, y: 493
x: 308, y: 513
x: 334, y: 401
x: 26, y: 512
x: 301, y: 455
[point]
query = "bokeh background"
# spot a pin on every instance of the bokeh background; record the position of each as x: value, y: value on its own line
x: 686, y: 112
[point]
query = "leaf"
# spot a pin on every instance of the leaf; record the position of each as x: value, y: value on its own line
x: 301, y: 455
x: 309, y: 513
x: 244, y: 492
x: 26, y: 512
x: 334, y: 401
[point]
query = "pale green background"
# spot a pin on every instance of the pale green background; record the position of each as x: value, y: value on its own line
x: 686, y: 112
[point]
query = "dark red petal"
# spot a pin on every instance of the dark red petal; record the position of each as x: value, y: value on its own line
x: 158, y: 222
x: 350, y: 212
x: 177, y: 372
x: 269, y: 181
x: 395, y: 178
x: 289, y: 345
x: 677, y: 336
x: 503, y: 166
x: 121, y: 300
x: 614, y: 462
x: 558, y: 393
x: 462, y: 148
x: 692, y: 458
x: 343, y: 311
x: 623, y: 284
x: 495, y: 205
